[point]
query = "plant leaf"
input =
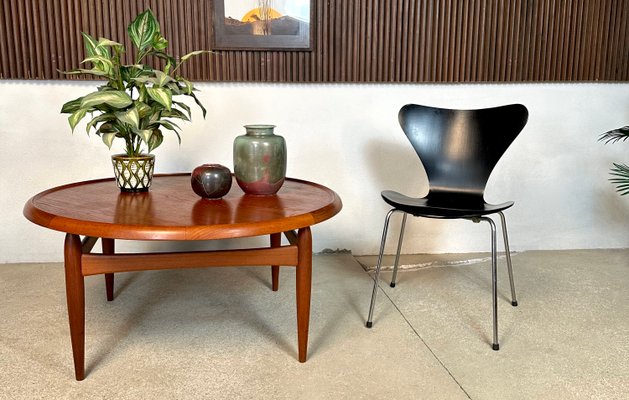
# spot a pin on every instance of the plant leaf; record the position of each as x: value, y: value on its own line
x: 143, y: 29
x: 169, y: 125
x: 156, y: 139
x: 615, y: 135
x: 108, y: 138
x: 143, y: 109
x: 71, y: 106
x: 620, y: 177
x: 162, y: 78
x: 100, y: 118
x: 198, y: 103
x: 194, y: 53
x: 144, y: 79
x: 170, y: 60
x: 97, y: 59
x: 130, y: 117
x: 107, y: 42
x: 174, y: 113
x: 187, y: 84
x: 113, y: 98
x: 100, y: 63
x: 93, y: 71
x: 108, y: 128
x: 76, y: 116
x: 145, y: 134
x: 185, y: 107
x: 90, y: 45
x: 159, y: 42
x: 161, y: 95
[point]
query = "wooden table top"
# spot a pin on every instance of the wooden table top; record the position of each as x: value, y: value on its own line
x: 172, y: 211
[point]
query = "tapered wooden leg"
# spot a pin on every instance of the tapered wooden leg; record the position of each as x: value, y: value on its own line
x: 109, y: 247
x: 75, y: 295
x: 276, y: 241
x: 303, y: 284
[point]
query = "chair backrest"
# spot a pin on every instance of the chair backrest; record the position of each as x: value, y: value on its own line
x: 460, y: 148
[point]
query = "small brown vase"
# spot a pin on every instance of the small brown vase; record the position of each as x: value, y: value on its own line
x: 211, y: 181
x: 133, y: 174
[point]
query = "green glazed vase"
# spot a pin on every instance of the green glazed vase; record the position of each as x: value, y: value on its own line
x: 260, y: 160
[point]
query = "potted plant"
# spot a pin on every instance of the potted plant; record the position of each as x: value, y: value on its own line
x: 620, y: 172
x: 137, y: 102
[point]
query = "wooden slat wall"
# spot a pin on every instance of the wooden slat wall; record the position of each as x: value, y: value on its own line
x: 355, y: 40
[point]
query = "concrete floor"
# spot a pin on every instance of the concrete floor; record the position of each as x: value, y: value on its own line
x: 223, y: 334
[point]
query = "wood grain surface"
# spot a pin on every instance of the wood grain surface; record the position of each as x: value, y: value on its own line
x: 172, y: 211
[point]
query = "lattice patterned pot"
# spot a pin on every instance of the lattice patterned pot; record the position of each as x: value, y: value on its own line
x: 133, y: 174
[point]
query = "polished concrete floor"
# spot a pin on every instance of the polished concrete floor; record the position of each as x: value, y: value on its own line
x: 221, y: 333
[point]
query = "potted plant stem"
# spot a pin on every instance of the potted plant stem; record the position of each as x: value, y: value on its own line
x: 137, y: 102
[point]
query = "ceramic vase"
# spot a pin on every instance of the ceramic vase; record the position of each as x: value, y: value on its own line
x: 260, y: 160
x: 211, y: 181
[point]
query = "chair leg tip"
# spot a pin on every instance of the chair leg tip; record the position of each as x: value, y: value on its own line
x: 514, y: 303
x: 392, y: 284
x: 369, y: 324
x: 495, y: 346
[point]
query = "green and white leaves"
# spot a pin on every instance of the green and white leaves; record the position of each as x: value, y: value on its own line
x: 108, y: 138
x: 161, y: 95
x: 76, y: 116
x: 156, y: 139
x: 138, y: 101
x: 194, y: 53
x: 112, y: 98
x: 130, y: 117
x: 99, y: 55
x: 143, y: 29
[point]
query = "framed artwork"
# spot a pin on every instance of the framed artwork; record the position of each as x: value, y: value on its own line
x: 263, y: 24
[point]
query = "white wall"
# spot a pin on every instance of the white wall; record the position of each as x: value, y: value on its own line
x: 347, y: 137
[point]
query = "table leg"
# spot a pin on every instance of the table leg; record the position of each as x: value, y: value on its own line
x: 109, y: 247
x: 276, y: 241
x: 75, y: 295
x: 303, y: 287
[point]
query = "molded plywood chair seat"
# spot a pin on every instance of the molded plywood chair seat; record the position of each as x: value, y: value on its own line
x: 459, y: 149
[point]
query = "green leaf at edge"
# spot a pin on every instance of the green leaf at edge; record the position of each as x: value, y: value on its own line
x: 142, y: 29
x: 71, y: 106
x: 76, y: 116
x: 194, y: 53
x: 199, y: 104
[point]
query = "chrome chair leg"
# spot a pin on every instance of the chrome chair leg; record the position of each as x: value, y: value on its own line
x: 494, y: 280
x: 399, y: 248
x: 514, y: 300
x: 378, y: 266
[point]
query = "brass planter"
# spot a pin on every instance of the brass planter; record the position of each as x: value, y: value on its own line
x: 133, y: 174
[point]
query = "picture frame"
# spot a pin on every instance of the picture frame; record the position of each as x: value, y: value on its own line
x: 263, y: 24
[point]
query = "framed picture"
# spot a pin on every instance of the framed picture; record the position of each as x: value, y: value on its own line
x: 263, y: 24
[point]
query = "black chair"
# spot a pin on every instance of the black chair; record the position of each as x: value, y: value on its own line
x: 459, y: 149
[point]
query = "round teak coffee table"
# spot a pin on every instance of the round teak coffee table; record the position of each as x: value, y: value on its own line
x: 172, y: 211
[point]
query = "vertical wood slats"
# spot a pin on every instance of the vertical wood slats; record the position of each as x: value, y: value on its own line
x: 354, y: 40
